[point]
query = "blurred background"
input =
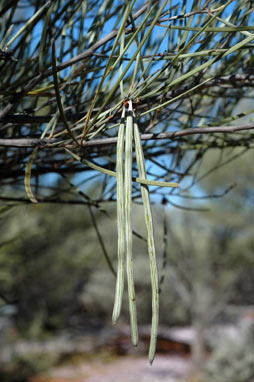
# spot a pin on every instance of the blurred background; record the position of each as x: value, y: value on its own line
x: 58, y: 257
x: 56, y: 288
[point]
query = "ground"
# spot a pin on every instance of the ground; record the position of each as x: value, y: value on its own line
x: 124, y: 369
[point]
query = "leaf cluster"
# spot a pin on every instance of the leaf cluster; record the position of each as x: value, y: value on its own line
x: 69, y: 66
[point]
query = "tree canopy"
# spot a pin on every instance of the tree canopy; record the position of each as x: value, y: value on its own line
x: 69, y: 68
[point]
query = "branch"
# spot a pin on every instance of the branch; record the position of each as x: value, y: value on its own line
x: 44, y: 200
x: 186, y: 15
x: 238, y: 80
x: 52, y: 143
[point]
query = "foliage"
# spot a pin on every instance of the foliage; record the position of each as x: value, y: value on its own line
x: 183, y: 66
x: 173, y: 72
x: 47, y: 265
x: 25, y: 366
x: 232, y: 360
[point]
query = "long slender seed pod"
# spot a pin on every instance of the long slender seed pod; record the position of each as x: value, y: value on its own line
x: 150, y: 243
x: 120, y: 221
x: 128, y: 228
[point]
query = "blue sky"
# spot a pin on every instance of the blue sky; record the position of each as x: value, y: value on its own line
x: 50, y: 179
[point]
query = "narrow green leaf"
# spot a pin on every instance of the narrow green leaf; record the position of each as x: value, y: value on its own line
x: 144, y: 39
x: 58, y: 95
x: 28, y: 171
x: 212, y: 29
x: 44, y: 35
x: 176, y: 98
x: 202, y: 29
x: 182, y: 50
x: 113, y: 173
x: 108, y: 69
x: 30, y: 22
x: 5, y: 37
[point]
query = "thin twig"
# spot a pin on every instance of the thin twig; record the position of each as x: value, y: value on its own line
x: 51, y: 143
